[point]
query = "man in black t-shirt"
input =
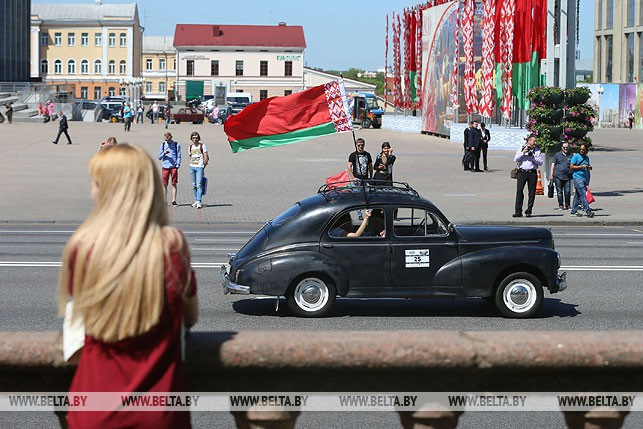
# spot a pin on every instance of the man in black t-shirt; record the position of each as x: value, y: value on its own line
x: 360, y: 163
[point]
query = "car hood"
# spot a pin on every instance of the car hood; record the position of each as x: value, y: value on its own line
x: 478, y: 233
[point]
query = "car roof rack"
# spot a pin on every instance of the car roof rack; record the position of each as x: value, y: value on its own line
x: 370, y: 186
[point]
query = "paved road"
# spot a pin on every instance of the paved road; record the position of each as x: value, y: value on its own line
x: 605, y: 274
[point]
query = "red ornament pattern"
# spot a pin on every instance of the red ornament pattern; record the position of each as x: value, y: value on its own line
x: 470, y: 95
x: 506, y: 53
x: 337, y: 106
x: 456, y: 59
x: 487, y: 102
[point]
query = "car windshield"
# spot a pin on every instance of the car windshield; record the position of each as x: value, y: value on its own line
x: 371, y: 103
x: 286, y: 216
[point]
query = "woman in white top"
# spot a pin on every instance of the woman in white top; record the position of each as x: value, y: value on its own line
x: 198, y: 161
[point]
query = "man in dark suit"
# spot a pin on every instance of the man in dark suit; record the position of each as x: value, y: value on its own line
x: 62, y: 128
x: 473, y: 146
x: 467, y: 155
x: 486, y: 136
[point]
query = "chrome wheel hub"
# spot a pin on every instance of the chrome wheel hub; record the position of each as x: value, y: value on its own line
x: 519, y: 296
x: 311, y: 294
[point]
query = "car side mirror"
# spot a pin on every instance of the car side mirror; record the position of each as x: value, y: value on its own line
x: 451, y: 228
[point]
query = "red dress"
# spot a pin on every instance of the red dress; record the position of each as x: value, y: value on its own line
x: 148, y: 363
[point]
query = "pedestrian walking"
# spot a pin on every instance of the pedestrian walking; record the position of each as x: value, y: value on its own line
x: 155, y: 112
x: 111, y: 141
x: 199, y: 159
x: 9, y: 112
x: 630, y: 119
x: 62, y: 128
x: 128, y: 116
x: 528, y: 158
x: 360, y: 163
x: 170, y: 156
x: 127, y: 284
x: 473, y: 141
x: 139, y: 113
x: 50, y: 111
x: 561, y: 174
x: 167, y: 115
x: 581, y: 168
x: 484, y: 144
x: 383, y: 166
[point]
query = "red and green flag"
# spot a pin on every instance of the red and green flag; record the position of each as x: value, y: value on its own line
x: 276, y: 121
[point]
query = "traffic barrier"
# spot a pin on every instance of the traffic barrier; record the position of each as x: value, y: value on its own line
x: 400, y: 361
x: 540, y: 190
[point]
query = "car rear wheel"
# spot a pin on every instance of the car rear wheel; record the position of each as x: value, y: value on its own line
x: 311, y: 296
x: 519, y: 295
x: 366, y: 123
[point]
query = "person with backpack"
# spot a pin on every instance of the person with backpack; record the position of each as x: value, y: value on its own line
x: 170, y: 156
x: 199, y: 159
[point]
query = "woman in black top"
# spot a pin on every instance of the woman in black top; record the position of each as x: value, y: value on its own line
x: 384, y: 165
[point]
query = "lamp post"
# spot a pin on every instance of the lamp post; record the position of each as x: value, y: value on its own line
x: 601, y: 90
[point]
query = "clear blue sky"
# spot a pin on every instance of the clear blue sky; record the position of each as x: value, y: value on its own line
x: 339, y: 34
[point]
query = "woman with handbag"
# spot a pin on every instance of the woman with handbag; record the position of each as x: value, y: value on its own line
x: 129, y: 278
x: 581, y: 168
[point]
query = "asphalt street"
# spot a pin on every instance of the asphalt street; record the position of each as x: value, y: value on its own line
x: 605, y: 276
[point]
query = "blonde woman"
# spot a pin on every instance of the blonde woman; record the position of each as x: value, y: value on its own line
x: 129, y: 277
x: 199, y: 159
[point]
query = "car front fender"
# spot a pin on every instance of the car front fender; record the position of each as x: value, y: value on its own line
x: 483, y: 270
x: 273, y: 273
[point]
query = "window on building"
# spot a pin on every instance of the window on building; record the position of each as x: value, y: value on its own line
x: 599, y: 5
x: 190, y: 67
x: 148, y: 64
x: 162, y: 87
x: 238, y: 68
x: 111, y: 91
x: 98, y: 67
x: 263, y: 94
x: 288, y: 68
x: 214, y: 68
x: 44, y: 67
x: 44, y: 39
x: 288, y: 92
x: 111, y: 67
x: 173, y: 63
x: 263, y: 68
x: 58, y: 67
x: 84, y: 67
x: 122, y: 91
x: 599, y: 62
x: 98, y: 93
x: 84, y: 92
x: 98, y: 39
x: 629, y: 57
x: 608, y: 51
x: 123, y: 39
x: 148, y: 87
x: 122, y: 67
x: 71, y: 67
x: 71, y: 39
x: 112, y: 39
x: 610, y: 15
x: 84, y: 39
x: 630, y: 13
x: 58, y: 39
x: 161, y: 63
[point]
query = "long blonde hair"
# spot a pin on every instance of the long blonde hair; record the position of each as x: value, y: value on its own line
x: 113, y: 263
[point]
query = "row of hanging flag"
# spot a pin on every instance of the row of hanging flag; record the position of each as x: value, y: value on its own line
x: 509, y: 66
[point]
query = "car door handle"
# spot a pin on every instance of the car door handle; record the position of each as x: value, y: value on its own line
x: 327, y: 246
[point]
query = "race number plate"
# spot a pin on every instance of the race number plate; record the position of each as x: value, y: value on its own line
x: 417, y: 258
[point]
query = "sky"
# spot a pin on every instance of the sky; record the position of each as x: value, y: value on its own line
x: 339, y: 34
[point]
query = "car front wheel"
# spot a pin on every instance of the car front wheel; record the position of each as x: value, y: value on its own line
x: 311, y: 296
x: 519, y: 295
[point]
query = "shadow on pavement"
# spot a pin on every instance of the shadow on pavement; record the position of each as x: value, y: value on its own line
x: 617, y: 193
x: 384, y: 307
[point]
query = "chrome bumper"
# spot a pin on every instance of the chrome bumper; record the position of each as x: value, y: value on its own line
x: 231, y: 287
x: 561, y: 282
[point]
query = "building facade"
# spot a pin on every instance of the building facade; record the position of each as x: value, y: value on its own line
x: 618, y: 41
x: 14, y: 40
x: 264, y: 61
x: 96, y: 48
x: 158, y: 67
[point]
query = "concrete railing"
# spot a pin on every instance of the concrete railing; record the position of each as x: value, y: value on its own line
x: 403, y: 361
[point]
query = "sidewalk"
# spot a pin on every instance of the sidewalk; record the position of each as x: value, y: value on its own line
x: 43, y: 182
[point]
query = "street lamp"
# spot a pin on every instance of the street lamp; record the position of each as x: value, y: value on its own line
x: 601, y: 90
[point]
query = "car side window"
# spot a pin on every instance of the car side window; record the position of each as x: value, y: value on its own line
x: 359, y: 223
x: 414, y: 222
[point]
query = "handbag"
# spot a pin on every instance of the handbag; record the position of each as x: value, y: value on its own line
x: 589, y: 196
x: 550, y: 190
x: 204, y: 185
x: 514, y: 173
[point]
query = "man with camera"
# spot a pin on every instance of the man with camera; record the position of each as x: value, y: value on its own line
x: 528, y: 158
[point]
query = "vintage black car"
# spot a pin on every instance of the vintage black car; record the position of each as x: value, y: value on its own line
x: 388, y: 241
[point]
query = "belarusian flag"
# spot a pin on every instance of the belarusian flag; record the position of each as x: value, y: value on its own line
x: 301, y: 116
